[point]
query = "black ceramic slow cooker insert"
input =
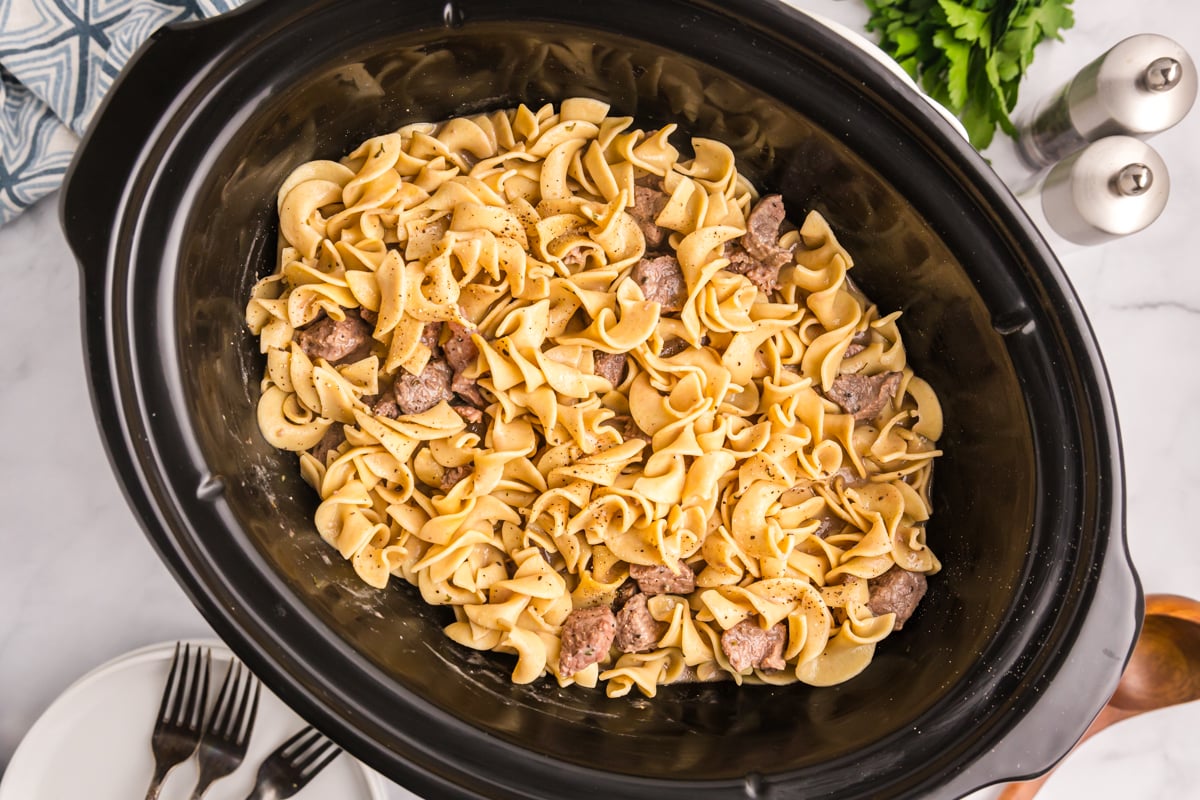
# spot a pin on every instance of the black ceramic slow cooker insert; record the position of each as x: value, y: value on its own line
x: 170, y: 210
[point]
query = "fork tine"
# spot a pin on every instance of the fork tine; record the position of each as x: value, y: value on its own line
x: 192, y: 700
x: 238, y: 708
x: 312, y: 733
x: 243, y: 705
x: 232, y: 710
x: 337, y: 751
x: 180, y: 688
x: 321, y: 749
x: 245, y: 722
x: 202, y: 699
x: 253, y: 709
x: 162, y: 708
x: 222, y: 710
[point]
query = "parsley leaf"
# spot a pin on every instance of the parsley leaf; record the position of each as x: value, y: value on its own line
x: 969, y: 55
x: 970, y: 25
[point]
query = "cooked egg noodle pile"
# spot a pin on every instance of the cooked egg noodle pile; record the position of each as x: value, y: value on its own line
x: 515, y: 223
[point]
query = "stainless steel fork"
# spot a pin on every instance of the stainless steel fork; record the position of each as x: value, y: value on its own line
x: 227, y: 732
x: 296, y: 762
x: 181, y: 713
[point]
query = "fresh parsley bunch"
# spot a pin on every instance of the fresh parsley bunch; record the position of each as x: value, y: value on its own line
x: 970, y: 55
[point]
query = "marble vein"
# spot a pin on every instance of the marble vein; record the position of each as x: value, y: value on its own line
x: 1159, y: 305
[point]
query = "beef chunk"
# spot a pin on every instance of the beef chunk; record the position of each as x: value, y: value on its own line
x: 649, y: 180
x: 827, y: 527
x: 637, y: 630
x: 430, y: 335
x: 587, y: 636
x: 896, y: 591
x: 575, y: 257
x: 462, y: 353
x: 864, y: 396
x: 331, y: 441
x: 610, y: 366
x: 477, y: 422
x: 452, y: 475
x: 763, y: 276
x: 660, y: 580
x: 748, y: 645
x: 630, y: 430
x: 336, y: 342
x: 385, y: 405
x: 625, y: 591
x: 471, y: 414
x: 762, y: 232
x: 468, y: 390
x: 673, y: 347
x: 417, y: 393
x: 648, y: 203
x: 757, y: 255
x: 624, y: 425
x: 662, y: 282
x: 368, y: 316
x: 858, y: 343
x: 460, y: 350
x: 849, y: 477
x: 690, y: 675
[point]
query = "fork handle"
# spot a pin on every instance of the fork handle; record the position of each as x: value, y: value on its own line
x: 263, y: 793
x: 202, y: 785
x: 156, y: 783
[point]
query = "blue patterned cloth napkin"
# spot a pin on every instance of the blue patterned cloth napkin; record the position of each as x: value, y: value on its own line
x: 57, y: 59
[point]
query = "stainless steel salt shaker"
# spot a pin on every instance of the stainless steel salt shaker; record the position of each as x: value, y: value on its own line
x: 1112, y: 188
x: 1142, y: 86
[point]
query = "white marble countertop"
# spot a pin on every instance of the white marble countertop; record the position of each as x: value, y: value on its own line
x: 79, y: 584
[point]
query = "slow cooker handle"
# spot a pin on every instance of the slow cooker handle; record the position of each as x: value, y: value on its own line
x: 1038, y: 742
x: 150, y: 89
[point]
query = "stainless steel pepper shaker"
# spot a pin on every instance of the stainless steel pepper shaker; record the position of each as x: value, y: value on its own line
x: 1112, y: 188
x: 1142, y: 86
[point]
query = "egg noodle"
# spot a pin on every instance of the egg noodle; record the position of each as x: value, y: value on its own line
x: 515, y: 226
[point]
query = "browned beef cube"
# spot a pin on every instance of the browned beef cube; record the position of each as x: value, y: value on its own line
x: 625, y: 591
x: 331, y: 441
x: 417, y: 393
x: 452, y: 476
x: 762, y: 233
x: 763, y: 276
x: 469, y: 413
x: 460, y: 349
x: 385, y: 405
x: 747, y: 645
x: 864, y: 396
x: 637, y: 630
x: 624, y: 425
x: 658, y: 579
x: 462, y: 353
x: 346, y: 341
x: 430, y: 335
x: 587, y: 636
x: 858, y: 343
x: 898, y: 592
x: 662, y: 282
x: 648, y: 204
x: 610, y: 366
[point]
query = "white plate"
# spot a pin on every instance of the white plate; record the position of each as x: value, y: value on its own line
x: 93, y: 742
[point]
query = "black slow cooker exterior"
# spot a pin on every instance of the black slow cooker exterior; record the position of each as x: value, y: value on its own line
x: 169, y: 209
